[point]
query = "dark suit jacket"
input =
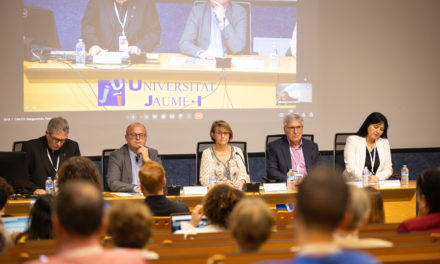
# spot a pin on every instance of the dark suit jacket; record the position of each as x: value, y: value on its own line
x: 119, y: 174
x: 161, y: 206
x: 278, y: 161
x: 197, y: 33
x: 101, y: 27
x: 38, y: 164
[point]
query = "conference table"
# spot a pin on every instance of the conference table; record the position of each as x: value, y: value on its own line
x: 399, y: 203
x: 168, y: 81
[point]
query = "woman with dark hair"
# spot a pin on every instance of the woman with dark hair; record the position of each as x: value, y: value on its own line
x: 369, y: 148
x: 428, y: 199
x: 222, y: 160
x: 40, y: 221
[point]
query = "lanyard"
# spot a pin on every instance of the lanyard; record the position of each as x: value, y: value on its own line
x: 372, y: 159
x: 119, y: 19
x: 51, y: 162
x: 293, y: 157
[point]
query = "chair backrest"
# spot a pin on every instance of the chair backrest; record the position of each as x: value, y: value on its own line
x: 201, y: 146
x: 338, y: 149
x: 104, y: 166
x: 247, y: 6
x: 17, y: 146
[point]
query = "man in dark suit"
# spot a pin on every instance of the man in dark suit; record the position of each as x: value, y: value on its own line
x: 152, y: 176
x: 213, y: 28
x: 106, y: 21
x: 291, y: 152
x: 46, y: 154
x: 124, y: 163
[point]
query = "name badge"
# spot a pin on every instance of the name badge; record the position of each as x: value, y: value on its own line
x: 195, y: 190
x: 123, y: 44
x: 275, y: 187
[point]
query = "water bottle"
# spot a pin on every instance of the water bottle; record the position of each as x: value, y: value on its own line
x: 212, y: 180
x: 273, y: 57
x: 365, y: 176
x: 80, y: 52
x: 49, y: 185
x: 404, y: 176
x: 290, y: 183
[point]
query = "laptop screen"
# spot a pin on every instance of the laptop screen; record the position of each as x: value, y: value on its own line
x: 177, y: 219
x: 15, y: 224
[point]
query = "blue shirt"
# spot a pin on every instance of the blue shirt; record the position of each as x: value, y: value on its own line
x: 136, y: 162
x: 343, y: 257
x: 216, y: 39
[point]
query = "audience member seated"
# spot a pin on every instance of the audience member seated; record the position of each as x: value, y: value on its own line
x: 78, y: 224
x: 319, y: 210
x: 40, y: 222
x: 369, y: 148
x: 291, y: 151
x: 46, y: 154
x: 377, y: 214
x: 124, y: 163
x: 428, y: 199
x: 222, y: 160
x: 251, y: 224
x: 217, y: 206
x: 130, y: 225
x: 213, y: 29
x: 5, y: 191
x: 152, y: 177
x: 78, y: 168
x: 358, y: 211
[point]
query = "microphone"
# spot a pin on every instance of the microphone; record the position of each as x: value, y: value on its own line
x: 244, y: 163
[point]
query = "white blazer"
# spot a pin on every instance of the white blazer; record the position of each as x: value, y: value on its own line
x: 354, y: 157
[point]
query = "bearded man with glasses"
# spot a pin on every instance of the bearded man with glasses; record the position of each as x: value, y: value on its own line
x: 124, y: 163
x: 46, y: 154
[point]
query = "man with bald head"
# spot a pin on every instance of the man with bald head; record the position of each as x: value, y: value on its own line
x: 124, y: 163
x: 78, y: 225
x: 108, y: 22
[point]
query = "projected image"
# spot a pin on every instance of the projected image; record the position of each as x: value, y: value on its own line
x: 293, y: 93
x: 97, y: 55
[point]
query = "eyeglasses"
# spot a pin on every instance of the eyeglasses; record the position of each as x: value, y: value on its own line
x: 134, y: 135
x: 297, y: 128
x: 219, y: 133
x: 58, y: 140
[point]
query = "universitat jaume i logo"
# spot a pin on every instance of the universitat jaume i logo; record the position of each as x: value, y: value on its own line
x: 111, y: 93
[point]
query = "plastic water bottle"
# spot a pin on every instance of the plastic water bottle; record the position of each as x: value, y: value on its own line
x: 49, y: 185
x: 404, y: 176
x: 290, y: 183
x: 365, y: 176
x: 212, y: 180
x: 80, y: 52
x: 273, y: 57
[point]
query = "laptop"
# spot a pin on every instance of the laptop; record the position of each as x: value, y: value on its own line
x: 15, y: 224
x: 177, y: 219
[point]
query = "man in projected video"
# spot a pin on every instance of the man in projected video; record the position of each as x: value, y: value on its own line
x: 213, y: 29
x: 120, y: 25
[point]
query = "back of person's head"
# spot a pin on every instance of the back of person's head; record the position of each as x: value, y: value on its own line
x: 130, y: 224
x: 358, y: 207
x: 251, y: 223
x: 78, y: 168
x: 6, y: 190
x: 322, y: 199
x: 152, y: 176
x: 79, y: 208
x: 377, y: 214
x: 219, y: 203
x: 40, y: 221
x: 428, y: 186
